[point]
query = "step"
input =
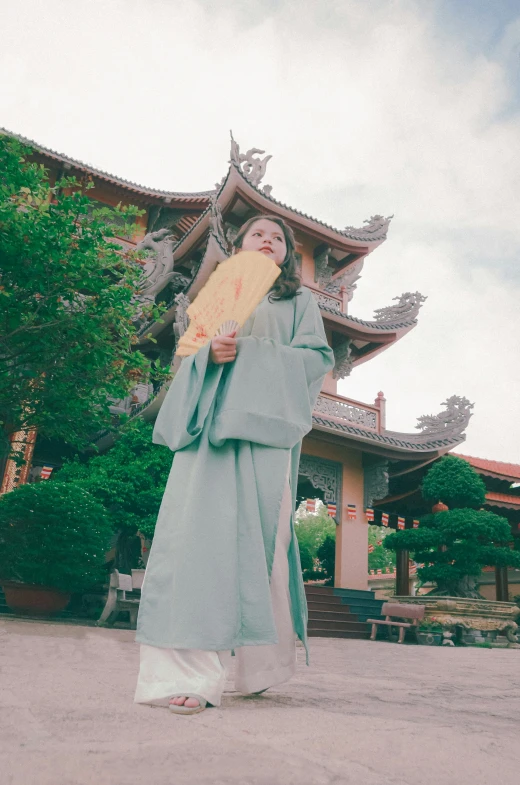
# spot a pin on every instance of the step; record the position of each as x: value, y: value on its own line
x: 355, y: 593
x: 366, y: 607
x: 320, y: 599
x: 317, y: 593
x: 315, y: 587
x: 331, y: 615
x: 345, y: 626
x: 363, y: 610
x: 321, y: 633
x: 359, y: 601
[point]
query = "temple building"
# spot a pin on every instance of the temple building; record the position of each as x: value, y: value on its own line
x: 351, y: 458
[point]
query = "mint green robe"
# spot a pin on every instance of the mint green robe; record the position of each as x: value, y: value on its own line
x: 233, y: 429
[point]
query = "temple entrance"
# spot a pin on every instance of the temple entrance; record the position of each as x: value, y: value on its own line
x: 319, y: 478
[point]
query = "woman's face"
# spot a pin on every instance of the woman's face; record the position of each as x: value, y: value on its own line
x: 268, y: 238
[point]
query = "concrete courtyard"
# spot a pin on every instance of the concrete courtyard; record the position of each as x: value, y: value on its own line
x: 363, y: 713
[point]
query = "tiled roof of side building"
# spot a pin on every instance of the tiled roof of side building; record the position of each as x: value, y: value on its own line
x: 201, y: 197
x: 494, y: 467
x: 504, y: 498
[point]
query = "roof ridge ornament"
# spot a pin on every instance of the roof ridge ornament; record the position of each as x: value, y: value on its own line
x: 253, y: 169
x: 453, y: 421
x: 376, y: 228
x: 343, y: 360
x: 216, y: 223
x: 157, y: 267
x: 347, y: 279
x: 408, y: 306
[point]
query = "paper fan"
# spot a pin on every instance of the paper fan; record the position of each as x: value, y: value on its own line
x: 230, y: 296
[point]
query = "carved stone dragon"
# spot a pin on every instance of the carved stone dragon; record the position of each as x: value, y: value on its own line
x: 252, y: 168
x: 407, y: 308
x: 453, y: 421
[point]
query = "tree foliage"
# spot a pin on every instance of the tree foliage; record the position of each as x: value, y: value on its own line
x: 454, y: 545
x: 53, y: 534
x: 454, y: 482
x: 380, y: 558
x: 311, y: 531
x: 128, y: 480
x: 66, y: 304
x: 327, y: 558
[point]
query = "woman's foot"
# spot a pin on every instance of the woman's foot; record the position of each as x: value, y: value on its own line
x: 187, y: 704
x: 180, y: 700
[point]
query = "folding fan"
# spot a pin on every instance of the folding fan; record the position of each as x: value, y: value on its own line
x: 228, y: 299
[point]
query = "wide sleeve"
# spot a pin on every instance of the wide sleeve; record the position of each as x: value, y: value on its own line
x: 188, y: 402
x: 269, y: 393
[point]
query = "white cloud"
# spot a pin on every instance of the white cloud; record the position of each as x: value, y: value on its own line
x: 366, y: 107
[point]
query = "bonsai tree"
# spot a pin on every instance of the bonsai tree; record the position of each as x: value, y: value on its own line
x: 453, y: 545
x: 53, y: 535
x: 128, y: 481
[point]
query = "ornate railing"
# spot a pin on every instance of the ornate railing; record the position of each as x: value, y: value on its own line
x: 338, y: 408
x: 328, y: 300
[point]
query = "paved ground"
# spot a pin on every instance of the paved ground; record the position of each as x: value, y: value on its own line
x: 363, y: 713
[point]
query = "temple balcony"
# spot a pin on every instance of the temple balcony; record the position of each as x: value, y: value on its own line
x: 343, y: 410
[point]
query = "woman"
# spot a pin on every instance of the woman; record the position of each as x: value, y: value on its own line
x: 224, y: 571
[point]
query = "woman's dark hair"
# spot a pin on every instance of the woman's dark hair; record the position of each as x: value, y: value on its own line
x: 288, y: 282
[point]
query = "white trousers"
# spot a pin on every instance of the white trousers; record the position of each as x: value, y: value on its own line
x: 167, y: 672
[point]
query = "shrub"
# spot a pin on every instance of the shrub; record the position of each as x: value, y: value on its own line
x: 128, y: 480
x: 53, y: 534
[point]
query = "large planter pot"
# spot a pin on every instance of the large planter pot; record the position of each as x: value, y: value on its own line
x: 469, y: 618
x: 32, y: 600
x: 427, y: 638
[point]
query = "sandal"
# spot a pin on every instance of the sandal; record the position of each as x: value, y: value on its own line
x: 203, y: 704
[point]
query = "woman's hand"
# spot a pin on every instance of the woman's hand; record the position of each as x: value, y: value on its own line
x: 223, y: 349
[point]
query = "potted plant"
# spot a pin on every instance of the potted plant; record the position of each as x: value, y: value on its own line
x: 430, y: 632
x: 53, y: 539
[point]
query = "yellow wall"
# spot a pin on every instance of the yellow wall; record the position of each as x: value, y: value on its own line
x: 351, y: 536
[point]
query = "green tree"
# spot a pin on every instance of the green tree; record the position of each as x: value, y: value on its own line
x: 128, y: 480
x: 380, y: 558
x: 311, y: 531
x: 67, y: 339
x: 327, y: 558
x: 454, y: 545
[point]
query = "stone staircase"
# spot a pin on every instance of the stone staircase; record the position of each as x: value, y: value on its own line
x: 340, y: 613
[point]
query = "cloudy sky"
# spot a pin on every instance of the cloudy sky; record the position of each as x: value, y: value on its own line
x: 404, y: 107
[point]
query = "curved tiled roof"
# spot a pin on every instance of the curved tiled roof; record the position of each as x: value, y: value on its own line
x: 411, y: 442
x: 385, y: 326
x: 200, y: 197
x: 506, y: 470
x: 359, y: 235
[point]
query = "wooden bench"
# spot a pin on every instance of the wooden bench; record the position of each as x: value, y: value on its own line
x: 397, y: 610
x: 118, y: 600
